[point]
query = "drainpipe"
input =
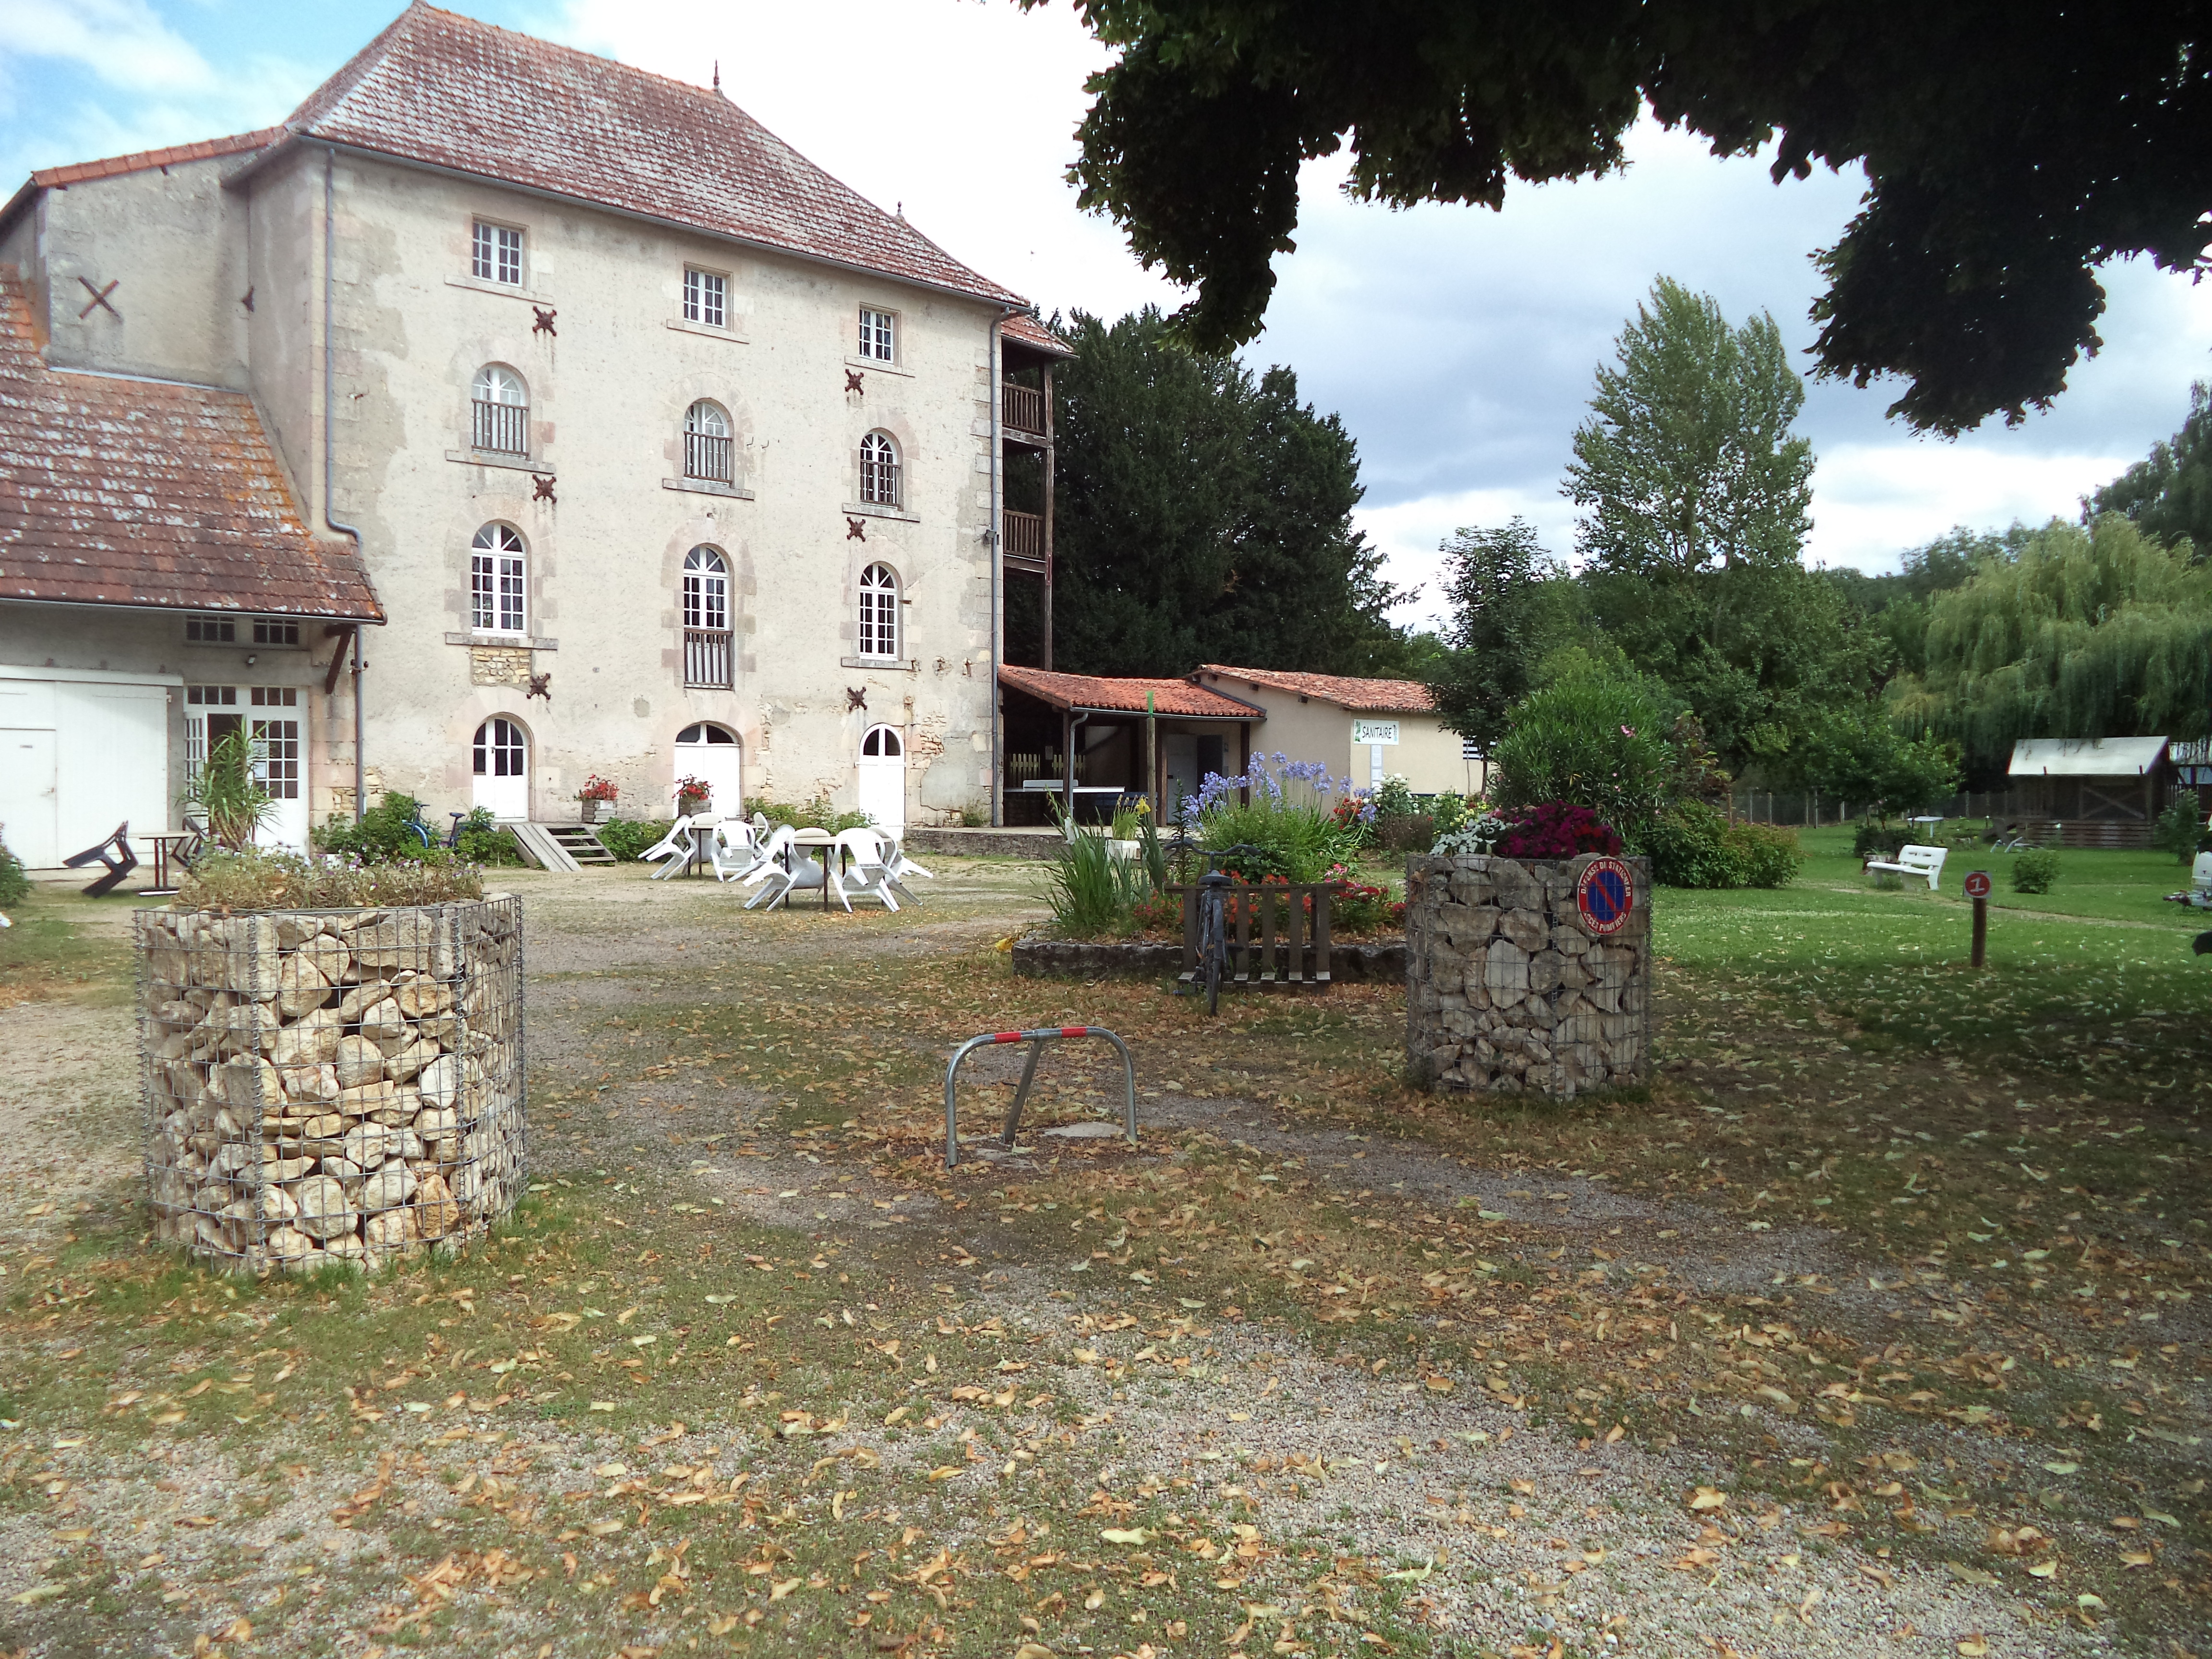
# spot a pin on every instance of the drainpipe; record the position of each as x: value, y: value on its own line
x: 329, y: 398
x: 998, y: 793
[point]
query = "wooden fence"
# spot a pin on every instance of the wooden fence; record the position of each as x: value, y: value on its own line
x: 1282, y: 957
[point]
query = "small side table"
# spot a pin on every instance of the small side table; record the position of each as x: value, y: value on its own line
x: 165, y: 846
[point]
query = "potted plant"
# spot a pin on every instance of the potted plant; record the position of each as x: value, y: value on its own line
x: 597, y: 794
x: 1128, y: 822
x: 691, y: 795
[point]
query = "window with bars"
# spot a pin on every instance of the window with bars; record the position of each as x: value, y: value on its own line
x: 878, y: 335
x: 706, y: 655
x: 879, y: 609
x: 495, y: 254
x: 496, y: 572
x: 706, y: 298
x: 708, y: 452
x: 879, y: 469
x: 210, y: 630
x: 499, y: 411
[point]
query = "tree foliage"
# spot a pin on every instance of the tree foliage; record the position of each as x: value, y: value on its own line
x: 1598, y: 741
x: 1494, y: 585
x: 2009, y: 149
x: 1204, y: 514
x: 2169, y: 494
x: 2090, y: 631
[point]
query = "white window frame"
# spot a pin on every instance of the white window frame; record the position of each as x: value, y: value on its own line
x: 499, y: 582
x: 706, y: 589
x: 881, y: 474
x: 706, y: 297
x: 878, y: 337
x: 879, y: 613
x: 487, y: 750
x: 495, y: 253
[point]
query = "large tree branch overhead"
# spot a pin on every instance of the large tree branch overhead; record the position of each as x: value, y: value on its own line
x: 2010, y: 148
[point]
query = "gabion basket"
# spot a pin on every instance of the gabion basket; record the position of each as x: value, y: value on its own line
x: 325, y: 1085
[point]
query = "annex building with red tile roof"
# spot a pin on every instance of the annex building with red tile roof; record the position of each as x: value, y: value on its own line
x: 649, y: 449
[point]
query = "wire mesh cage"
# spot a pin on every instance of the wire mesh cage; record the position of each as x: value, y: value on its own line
x: 324, y: 1086
x: 1528, y: 976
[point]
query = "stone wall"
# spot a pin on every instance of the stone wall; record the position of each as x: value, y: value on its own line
x: 331, y: 1084
x: 1508, y: 990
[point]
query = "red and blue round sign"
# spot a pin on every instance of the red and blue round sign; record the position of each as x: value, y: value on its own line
x: 1606, y: 894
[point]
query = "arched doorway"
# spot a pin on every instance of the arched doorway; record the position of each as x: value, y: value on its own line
x: 882, y: 768
x: 500, y: 758
x: 713, y: 755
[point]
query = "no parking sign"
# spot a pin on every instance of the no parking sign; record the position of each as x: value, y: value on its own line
x: 1605, y: 894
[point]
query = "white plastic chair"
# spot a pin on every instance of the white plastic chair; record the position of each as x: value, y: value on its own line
x: 900, y: 866
x: 735, y: 853
x: 675, y: 847
x: 783, y: 867
x: 869, y: 876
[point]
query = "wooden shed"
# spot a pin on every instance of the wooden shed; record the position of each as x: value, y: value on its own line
x: 2091, y: 792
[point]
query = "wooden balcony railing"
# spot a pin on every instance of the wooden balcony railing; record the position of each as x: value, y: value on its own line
x: 707, y: 657
x: 1024, y: 407
x: 705, y: 456
x: 502, y: 428
x: 1023, y: 535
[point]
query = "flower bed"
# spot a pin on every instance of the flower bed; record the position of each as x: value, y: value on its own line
x: 331, y: 1085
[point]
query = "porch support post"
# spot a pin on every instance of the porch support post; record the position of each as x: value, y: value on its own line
x: 1067, y: 764
x: 1153, y: 757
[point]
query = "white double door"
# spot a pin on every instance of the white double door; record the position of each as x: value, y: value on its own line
x: 273, y: 719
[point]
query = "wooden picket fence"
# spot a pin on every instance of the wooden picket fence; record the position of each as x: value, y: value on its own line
x: 1282, y: 957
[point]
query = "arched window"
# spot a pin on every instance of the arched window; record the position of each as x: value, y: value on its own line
x: 501, y: 751
x: 879, y: 609
x: 499, y: 410
x: 496, y: 588
x: 707, y: 446
x: 882, y: 743
x: 879, y: 469
x: 705, y: 733
x: 706, y: 618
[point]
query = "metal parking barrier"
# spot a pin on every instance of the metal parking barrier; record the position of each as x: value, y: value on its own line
x: 1037, y: 1040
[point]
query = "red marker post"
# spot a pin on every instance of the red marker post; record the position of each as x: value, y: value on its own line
x: 1978, y: 888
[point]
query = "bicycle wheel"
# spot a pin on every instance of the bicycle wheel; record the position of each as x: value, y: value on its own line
x: 1212, y: 947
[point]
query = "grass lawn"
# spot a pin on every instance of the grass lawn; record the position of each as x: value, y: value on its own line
x: 1876, y: 1322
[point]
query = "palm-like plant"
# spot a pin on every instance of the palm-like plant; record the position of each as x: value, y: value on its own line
x: 227, y: 795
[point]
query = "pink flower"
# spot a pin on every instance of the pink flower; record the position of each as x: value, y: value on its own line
x: 1627, y: 731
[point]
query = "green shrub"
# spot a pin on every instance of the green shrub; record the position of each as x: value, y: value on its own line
x: 483, y: 842
x: 226, y: 794
x: 1692, y: 844
x: 2035, y: 870
x: 1291, y: 814
x: 255, y: 879
x: 1879, y: 841
x: 627, y: 837
x: 385, y: 833
x: 816, y: 814
x: 1092, y: 892
x: 1598, y: 743
x: 1448, y: 811
x: 2180, y: 828
x: 14, y: 885
x: 1394, y: 798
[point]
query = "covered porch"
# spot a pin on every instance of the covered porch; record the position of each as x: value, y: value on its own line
x: 1090, y: 743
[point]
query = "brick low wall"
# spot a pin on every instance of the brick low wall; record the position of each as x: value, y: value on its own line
x: 1507, y: 990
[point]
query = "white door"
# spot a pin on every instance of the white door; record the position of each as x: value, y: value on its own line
x: 26, y: 796
x: 111, y: 761
x: 279, y: 763
x: 882, y: 768
x: 713, y: 755
x: 501, y: 758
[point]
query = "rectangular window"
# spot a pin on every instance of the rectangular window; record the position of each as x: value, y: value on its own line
x: 276, y: 738
x: 1467, y: 751
x: 877, y: 339
x: 206, y: 721
x: 496, y: 592
x: 210, y: 630
x: 276, y: 630
x: 706, y: 298
x: 495, y: 254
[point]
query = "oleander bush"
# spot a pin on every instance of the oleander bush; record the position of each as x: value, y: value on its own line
x: 1692, y: 844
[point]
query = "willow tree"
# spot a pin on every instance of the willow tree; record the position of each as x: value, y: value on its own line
x: 2093, y: 631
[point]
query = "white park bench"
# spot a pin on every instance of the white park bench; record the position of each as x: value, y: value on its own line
x: 1914, y: 861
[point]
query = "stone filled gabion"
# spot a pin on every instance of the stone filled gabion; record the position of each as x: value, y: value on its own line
x: 327, y: 1086
x: 1506, y: 988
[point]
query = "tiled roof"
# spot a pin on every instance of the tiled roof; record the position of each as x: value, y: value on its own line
x: 1363, y: 697
x: 1124, y: 695
x: 204, y: 149
x: 1024, y: 330
x: 448, y: 91
x: 122, y: 491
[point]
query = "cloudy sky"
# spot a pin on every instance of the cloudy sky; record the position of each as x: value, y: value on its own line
x: 1458, y: 344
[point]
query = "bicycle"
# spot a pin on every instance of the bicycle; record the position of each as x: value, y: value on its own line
x: 1214, y: 920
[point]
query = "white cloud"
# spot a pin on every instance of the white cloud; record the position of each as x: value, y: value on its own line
x: 123, y: 42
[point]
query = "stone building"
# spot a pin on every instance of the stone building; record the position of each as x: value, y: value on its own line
x: 621, y: 439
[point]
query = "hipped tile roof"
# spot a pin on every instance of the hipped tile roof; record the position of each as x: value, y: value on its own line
x: 1124, y: 696
x: 204, y: 149
x: 448, y: 91
x: 1025, y: 330
x: 1360, y: 696
x: 131, y: 492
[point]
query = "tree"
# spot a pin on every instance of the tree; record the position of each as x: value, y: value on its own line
x: 1598, y: 741
x: 1204, y: 515
x: 1857, y: 754
x: 1687, y: 464
x: 2009, y: 149
x: 2169, y: 496
x: 1493, y: 587
x: 2090, y: 631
